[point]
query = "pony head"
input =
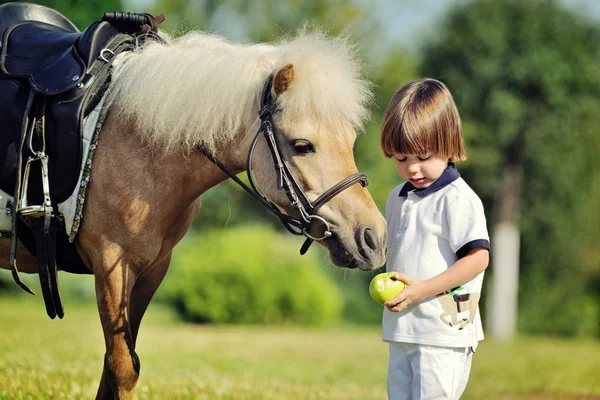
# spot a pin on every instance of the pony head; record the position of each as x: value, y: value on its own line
x: 320, y: 104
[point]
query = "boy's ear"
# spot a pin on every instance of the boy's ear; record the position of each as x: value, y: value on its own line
x: 282, y: 79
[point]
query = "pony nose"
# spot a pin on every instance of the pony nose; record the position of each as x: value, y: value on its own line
x: 367, y: 243
x: 370, y: 239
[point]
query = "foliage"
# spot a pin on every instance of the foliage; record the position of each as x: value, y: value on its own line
x: 81, y: 12
x: 228, y: 205
x: 526, y: 80
x: 246, y: 275
x: 76, y: 287
x: 264, y: 20
x: 359, y: 308
x: 5, y: 282
x: 388, y: 74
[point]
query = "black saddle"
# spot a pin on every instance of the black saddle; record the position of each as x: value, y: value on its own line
x: 69, y: 71
x: 51, y: 77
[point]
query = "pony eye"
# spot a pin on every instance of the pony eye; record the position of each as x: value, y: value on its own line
x: 303, y: 146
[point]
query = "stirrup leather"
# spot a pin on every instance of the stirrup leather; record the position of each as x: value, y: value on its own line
x: 40, y: 218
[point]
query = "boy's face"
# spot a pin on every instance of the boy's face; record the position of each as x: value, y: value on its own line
x: 420, y: 170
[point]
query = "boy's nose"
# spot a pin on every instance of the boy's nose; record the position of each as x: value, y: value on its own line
x: 413, y: 168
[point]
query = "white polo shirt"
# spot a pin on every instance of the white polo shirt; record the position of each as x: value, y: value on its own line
x: 428, y: 231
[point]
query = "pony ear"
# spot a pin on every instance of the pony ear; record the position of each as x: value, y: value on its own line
x: 283, y: 78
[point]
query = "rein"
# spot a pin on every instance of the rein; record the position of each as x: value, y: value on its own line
x: 285, y: 179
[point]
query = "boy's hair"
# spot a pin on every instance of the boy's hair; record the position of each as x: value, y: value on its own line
x: 422, y: 118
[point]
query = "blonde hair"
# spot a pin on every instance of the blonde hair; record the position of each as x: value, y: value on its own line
x: 421, y: 118
x: 202, y: 89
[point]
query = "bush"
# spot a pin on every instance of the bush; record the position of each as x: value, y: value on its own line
x: 557, y: 307
x: 249, y: 275
x: 75, y: 287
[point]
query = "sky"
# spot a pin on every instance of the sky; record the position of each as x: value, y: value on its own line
x: 404, y: 21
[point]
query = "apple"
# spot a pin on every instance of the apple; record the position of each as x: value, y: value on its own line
x: 384, y: 287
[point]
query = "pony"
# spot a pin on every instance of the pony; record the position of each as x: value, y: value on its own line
x: 179, y: 113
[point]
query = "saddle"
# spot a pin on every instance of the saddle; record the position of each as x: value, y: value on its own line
x: 51, y: 77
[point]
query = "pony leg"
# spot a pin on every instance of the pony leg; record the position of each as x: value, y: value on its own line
x: 121, y: 363
x: 143, y: 291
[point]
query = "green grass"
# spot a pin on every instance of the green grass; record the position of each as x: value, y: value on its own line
x: 62, y: 359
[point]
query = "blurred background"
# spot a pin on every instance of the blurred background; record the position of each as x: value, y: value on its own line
x: 525, y: 76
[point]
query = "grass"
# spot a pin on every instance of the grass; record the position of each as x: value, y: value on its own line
x: 62, y: 359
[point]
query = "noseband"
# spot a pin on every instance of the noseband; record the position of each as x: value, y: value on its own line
x: 306, y: 209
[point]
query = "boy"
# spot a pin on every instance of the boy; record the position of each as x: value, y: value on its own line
x: 437, y: 242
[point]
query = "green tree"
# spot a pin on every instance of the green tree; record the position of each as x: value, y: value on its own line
x: 81, y: 12
x: 525, y: 77
x: 396, y: 68
x: 265, y: 20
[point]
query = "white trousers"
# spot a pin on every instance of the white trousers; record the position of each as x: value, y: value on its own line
x: 420, y: 372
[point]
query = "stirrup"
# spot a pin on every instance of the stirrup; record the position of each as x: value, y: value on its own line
x: 37, y: 211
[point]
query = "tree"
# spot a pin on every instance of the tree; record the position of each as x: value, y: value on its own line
x: 266, y: 20
x: 526, y: 80
x: 81, y: 12
x: 395, y: 70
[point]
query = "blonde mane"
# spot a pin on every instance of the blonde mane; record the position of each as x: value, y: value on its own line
x: 202, y: 89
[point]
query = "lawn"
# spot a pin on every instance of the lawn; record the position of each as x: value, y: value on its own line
x: 62, y: 359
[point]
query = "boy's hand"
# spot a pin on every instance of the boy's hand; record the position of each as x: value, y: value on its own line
x: 413, y: 293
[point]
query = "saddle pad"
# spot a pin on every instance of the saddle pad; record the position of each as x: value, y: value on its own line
x: 72, y: 208
x: 5, y: 215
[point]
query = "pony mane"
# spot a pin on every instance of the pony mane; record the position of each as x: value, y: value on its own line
x: 202, y: 89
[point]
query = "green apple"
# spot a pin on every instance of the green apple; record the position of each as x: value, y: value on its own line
x: 384, y: 287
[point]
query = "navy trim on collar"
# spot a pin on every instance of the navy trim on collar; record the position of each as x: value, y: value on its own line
x: 449, y: 175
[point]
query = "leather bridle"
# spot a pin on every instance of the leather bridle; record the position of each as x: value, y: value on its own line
x: 306, y: 209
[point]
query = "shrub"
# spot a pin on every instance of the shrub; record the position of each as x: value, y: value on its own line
x: 249, y: 274
x: 76, y: 287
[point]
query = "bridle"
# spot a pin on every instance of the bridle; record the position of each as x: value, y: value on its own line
x: 306, y: 209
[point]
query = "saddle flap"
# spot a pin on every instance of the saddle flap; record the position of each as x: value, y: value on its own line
x: 44, y: 54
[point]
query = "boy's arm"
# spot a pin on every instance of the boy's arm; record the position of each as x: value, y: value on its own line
x: 461, y: 272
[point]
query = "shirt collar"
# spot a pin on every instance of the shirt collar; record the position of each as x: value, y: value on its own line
x: 449, y: 175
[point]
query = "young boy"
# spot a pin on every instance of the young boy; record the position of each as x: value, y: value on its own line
x: 437, y: 242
